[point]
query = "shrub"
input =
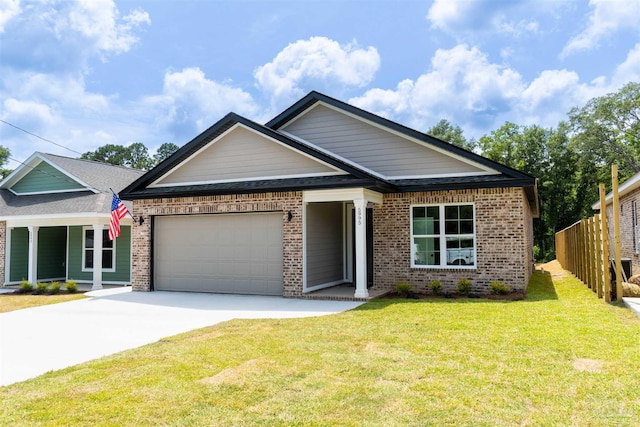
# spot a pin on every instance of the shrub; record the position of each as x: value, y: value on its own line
x: 436, y: 287
x: 71, y: 286
x: 54, y: 288
x: 499, y: 288
x: 403, y: 289
x: 464, y: 286
x: 25, y: 287
x: 41, y: 288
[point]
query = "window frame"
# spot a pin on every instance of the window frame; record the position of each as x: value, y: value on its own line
x: 442, y: 237
x: 105, y: 237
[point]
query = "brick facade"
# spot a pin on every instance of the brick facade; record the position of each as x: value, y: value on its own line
x: 267, y: 202
x: 504, y: 236
x: 626, y: 227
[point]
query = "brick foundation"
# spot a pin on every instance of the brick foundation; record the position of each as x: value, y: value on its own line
x: 504, y: 236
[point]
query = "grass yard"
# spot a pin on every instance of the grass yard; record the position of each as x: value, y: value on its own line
x: 560, y: 357
x: 10, y: 302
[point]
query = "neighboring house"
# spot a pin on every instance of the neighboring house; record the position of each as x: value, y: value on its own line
x: 54, y: 220
x: 326, y: 194
x: 629, y: 197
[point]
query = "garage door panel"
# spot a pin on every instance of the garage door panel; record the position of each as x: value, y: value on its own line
x: 235, y: 253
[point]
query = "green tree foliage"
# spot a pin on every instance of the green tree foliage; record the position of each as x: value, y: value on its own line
x: 572, y: 159
x: 452, y: 134
x: 4, y: 157
x: 607, y: 129
x: 164, y: 151
x: 134, y: 156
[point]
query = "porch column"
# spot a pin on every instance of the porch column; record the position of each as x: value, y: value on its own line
x: 360, y: 206
x: 97, y: 256
x: 32, y: 272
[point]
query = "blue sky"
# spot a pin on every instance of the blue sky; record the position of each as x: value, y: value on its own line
x: 91, y: 72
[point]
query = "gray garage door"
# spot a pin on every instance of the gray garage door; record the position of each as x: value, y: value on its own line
x: 235, y: 253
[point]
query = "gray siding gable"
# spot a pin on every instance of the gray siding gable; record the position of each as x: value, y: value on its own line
x: 380, y: 150
x: 241, y: 154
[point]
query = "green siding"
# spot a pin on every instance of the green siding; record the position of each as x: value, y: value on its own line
x: 19, y: 258
x: 52, y: 252
x: 44, y: 178
x: 123, y: 257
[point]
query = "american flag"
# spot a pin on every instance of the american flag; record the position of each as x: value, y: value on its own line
x: 118, y: 211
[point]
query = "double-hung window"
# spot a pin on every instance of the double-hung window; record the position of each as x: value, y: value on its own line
x: 108, y: 250
x: 443, y: 236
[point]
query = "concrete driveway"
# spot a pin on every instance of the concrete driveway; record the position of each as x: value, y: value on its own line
x: 41, y: 339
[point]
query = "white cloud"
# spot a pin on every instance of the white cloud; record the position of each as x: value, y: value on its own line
x: 461, y: 83
x: 514, y: 28
x: 8, y: 10
x: 607, y: 17
x: 443, y: 14
x: 190, y: 99
x: 31, y: 112
x: 463, y: 86
x: 629, y: 70
x: 100, y: 22
x: 318, y: 59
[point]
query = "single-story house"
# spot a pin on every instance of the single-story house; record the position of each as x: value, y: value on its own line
x: 629, y: 198
x: 54, y: 220
x: 326, y: 194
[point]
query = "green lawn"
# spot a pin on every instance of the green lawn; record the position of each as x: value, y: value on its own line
x: 10, y: 302
x: 560, y: 357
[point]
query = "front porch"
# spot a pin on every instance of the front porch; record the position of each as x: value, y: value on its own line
x: 344, y: 292
x: 338, y: 244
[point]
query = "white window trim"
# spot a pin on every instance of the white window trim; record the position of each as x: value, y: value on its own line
x: 443, y: 242
x: 84, y: 252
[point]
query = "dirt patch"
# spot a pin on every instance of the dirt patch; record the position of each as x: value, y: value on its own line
x: 588, y: 365
x: 238, y: 375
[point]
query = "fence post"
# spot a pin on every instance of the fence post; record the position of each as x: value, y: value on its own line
x: 605, y: 245
x: 616, y: 231
x: 598, y: 246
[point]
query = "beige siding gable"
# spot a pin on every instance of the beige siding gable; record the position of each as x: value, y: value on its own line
x: 242, y: 154
x: 382, y: 151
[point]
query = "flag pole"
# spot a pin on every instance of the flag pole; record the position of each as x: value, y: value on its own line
x: 129, y: 212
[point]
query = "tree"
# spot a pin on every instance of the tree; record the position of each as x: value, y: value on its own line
x: 452, y: 134
x: 164, y: 151
x: 134, y: 156
x: 607, y: 130
x: 4, y: 157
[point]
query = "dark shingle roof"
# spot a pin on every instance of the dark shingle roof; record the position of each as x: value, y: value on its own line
x: 98, y: 176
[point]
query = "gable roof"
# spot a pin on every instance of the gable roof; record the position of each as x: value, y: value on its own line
x: 144, y: 187
x: 487, y: 173
x: 89, y: 191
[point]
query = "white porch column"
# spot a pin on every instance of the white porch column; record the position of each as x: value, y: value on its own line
x: 32, y: 272
x: 360, y: 206
x: 97, y: 256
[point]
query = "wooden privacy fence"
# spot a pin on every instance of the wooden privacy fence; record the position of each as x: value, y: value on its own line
x: 583, y: 248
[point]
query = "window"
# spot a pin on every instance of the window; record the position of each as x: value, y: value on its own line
x: 108, y: 250
x: 443, y: 236
x: 634, y: 220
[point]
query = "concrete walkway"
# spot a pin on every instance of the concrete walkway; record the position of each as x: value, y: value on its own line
x: 633, y: 304
x: 41, y: 339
